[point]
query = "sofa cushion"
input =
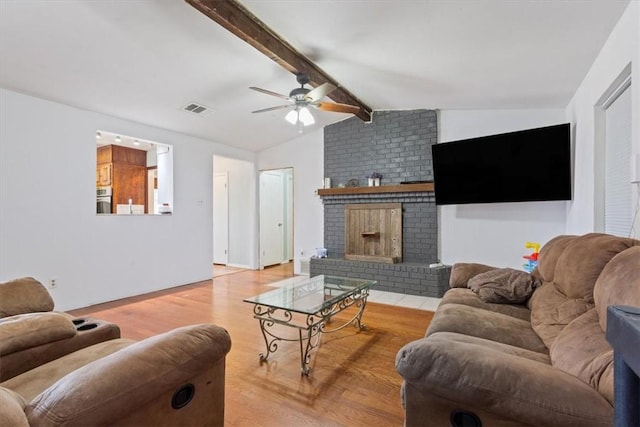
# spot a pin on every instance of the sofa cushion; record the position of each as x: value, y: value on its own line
x: 478, y: 343
x: 582, y: 262
x: 581, y: 349
x: 468, y: 297
x: 549, y: 254
x: 552, y: 311
x: 31, y: 330
x: 463, y: 271
x: 503, y: 286
x: 24, y: 295
x: 619, y: 283
x: 486, y: 324
x: 31, y: 383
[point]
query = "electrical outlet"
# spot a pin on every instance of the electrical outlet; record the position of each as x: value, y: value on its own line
x: 52, y: 283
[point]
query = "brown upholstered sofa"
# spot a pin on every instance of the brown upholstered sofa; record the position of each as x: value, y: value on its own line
x: 176, y: 378
x: 544, y: 362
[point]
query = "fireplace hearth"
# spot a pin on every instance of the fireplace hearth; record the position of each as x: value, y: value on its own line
x: 414, y: 208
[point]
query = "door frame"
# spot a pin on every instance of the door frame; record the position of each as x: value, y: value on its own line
x: 288, y: 197
x: 217, y: 197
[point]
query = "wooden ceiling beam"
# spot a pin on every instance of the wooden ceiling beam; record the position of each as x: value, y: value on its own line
x: 243, y: 24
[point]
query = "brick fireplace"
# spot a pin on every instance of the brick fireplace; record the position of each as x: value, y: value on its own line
x: 397, y: 145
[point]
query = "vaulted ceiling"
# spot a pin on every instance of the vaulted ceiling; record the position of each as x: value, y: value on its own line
x: 146, y: 60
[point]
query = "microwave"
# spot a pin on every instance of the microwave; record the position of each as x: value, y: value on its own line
x: 103, y: 191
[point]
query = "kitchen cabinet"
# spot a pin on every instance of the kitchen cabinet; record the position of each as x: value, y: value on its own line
x: 125, y: 170
x: 129, y: 182
x: 103, y: 175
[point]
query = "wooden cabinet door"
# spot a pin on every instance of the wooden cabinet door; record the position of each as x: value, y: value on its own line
x: 129, y: 156
x: 104, y: 155
x: 103, y: 175
x: 129, y: 182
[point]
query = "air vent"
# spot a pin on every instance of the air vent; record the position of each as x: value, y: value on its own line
x: 198, y: 109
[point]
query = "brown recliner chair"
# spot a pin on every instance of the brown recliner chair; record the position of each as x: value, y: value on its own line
x: 176, y: 378
x: 32, y: 334
x: 544, y: 362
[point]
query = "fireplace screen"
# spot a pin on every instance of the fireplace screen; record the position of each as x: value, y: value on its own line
x: 373, y: 232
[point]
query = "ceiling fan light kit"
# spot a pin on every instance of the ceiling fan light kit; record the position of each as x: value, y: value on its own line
x: 292, y: 117
x: 301, y: 117
x: 304, y: 115
x: 301, y: 97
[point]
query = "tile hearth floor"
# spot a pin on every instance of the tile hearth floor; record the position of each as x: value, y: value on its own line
x: 383, y: 297
x: 403, y: 300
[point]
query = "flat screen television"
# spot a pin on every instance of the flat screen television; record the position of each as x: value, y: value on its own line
x: 523, y: 166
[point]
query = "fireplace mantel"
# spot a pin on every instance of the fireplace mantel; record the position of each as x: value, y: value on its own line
x: 397, y: 188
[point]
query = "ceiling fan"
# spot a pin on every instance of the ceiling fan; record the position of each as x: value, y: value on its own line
x: 301, y: 97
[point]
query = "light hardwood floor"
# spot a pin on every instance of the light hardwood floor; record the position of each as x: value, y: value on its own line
x: 352, y: 382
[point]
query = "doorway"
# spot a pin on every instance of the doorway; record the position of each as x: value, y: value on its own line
x: 236, y: 206
x: 221, y: 218
x: 276, y: 216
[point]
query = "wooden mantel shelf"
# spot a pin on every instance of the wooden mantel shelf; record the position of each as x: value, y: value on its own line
x: 398, y: 188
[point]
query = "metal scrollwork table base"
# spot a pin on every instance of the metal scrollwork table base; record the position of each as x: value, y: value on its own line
x: 308, y: 307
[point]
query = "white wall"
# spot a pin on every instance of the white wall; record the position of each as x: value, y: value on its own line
x: 495, y: 233
x: 305, y: 154
x: 48, y: 225
x: 621, y: 49
x: 242, y: 210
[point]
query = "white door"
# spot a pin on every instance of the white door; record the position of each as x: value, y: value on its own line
x: 271, y: 218
x: 288, y: 209
x: 221, y: 218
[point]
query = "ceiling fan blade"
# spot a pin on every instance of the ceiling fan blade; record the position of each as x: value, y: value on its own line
x: 337, y: 108
x: 268, y: 92
x: 279, y: 107
x: 320, y: 92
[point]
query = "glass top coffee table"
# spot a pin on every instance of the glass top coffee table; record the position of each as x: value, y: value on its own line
x: 308, y: 306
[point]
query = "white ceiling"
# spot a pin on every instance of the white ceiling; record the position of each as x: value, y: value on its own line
x: 144, y: 60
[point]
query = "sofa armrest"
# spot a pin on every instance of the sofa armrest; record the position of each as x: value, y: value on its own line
x: 508, y: 385
x: 142, y: 378
x: 463, y: 271
x: 24, y: 295
x: 30, y: 340
x: 25, y: 331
